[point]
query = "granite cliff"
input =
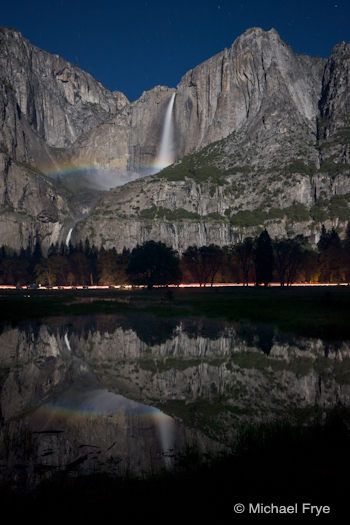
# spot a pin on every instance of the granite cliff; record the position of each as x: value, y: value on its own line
x: 59, y: 100
x: 45, y: 104
x: 261, y: 138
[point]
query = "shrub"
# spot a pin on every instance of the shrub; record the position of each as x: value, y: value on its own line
x: 318, y: 213
x: 333, y: 168
x: 248, y: 218
x: 297, y: 212
x: 298, y: 166
x: 338, y: 208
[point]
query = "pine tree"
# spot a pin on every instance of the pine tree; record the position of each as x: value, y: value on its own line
x: 263, y: 259
x: 323, y: 243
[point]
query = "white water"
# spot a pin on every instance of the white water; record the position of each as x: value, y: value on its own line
x: 166, y: 428
x: 166, y: 151
x: 66, y: 340
x: 69, y: 236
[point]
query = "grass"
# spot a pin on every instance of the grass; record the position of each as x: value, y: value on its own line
x: 308, y: 311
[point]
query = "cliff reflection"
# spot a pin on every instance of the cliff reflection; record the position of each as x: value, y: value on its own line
x: 124, y: 394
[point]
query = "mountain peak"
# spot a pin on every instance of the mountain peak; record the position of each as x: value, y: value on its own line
x: 258, y: 38
x: 259, y: 32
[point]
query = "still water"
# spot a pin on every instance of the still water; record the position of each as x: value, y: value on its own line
x: 121, y: 394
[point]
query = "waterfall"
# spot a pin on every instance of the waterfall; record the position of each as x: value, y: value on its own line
x: 66, y: 340
x: 166, y: 150
x: 166, y: 428
x: 69, y: 236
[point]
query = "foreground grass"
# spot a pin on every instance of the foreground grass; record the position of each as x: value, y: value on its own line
x: 271, y: 463
x: 310, y: 311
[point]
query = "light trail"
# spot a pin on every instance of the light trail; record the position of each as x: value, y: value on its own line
x: 181, y: 286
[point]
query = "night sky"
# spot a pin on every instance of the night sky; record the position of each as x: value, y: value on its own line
x: 133, y: 46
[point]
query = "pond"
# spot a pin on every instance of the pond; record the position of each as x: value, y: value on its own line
x: 124, y: 394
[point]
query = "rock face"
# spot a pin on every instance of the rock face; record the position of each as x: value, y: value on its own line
x: 239, y: 87
x: 334, y: 116
x: 31, y: 207
x: 60, y: 101
x: 261, y: 138
x: 18, y: 139
x: 192, y: 211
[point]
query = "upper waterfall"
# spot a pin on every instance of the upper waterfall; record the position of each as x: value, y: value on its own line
x: 166, y: 154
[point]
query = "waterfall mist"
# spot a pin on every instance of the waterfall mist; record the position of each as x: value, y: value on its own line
x: 94, y: 179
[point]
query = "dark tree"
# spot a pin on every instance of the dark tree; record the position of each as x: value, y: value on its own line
x: 13, y: 267
x: 153, y: 263
x: 212, y: 258
x: 203, y: 263
x: 35, y: 257
x: 243, y: 253
x: 288, y: 257
x: 346, y: 254
x: 330, y: 259
x: 64, y: 249
x: 347, y: 237
x: 111, y: 267
x: 53, y: 250
x: 37, y: 253
x: 263, y: 259
x: 193, y: 263
x: 81, y: 267
x: 323, y: 243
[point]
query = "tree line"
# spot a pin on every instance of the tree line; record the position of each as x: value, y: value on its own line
x: 260, y: 260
